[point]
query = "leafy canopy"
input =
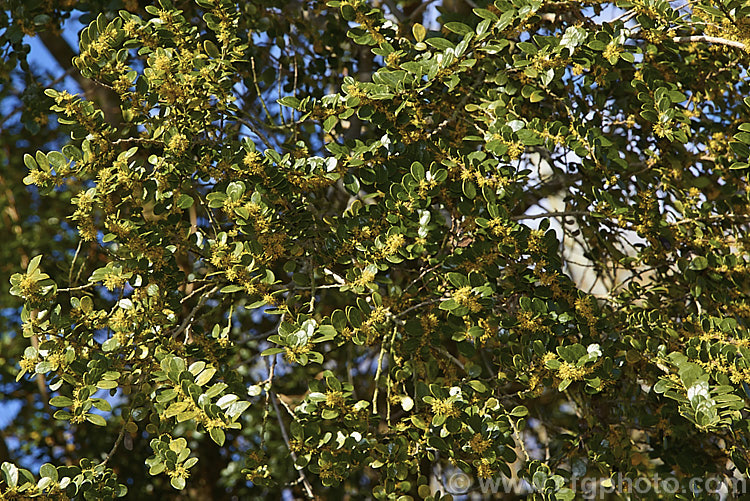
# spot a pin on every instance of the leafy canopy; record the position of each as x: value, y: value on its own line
x: 337, y: 252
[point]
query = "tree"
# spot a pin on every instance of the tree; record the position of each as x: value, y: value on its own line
x: 322, y: 249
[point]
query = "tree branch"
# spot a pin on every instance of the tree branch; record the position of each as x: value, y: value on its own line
x: 285, y: 435
x: 523, y: 217
x: 191, y: 315
x: 710, y: 39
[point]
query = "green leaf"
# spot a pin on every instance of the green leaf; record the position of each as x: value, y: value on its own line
x: 417, y: 171
x: 418, y: 31
x: 440, y: 43
x: 61, y: 401
x: 458, y: 28
x: 211, y: 49
x: 329, y: 414
x: 699, y: 263
x: 10, y: 474
x: 348, y: 12
x: 48, y: 470
x: 449, y: 304
x: 184, y: 201
x: 457, y: 279
x: 486, y: 14
x: 33, y: 264
x: 178, y: 483
x: 110, y: 344
x: 329, y: 123
x: 351, y: 183
x: 290, y: 101
x: 107, y: 385
x: 519, y: 411
x: 96, y: 419
x: 205, y: 376
x: 469, y: 189
x: 30, y: 162
x: 217, y: 435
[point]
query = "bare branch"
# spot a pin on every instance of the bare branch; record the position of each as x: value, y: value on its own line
x: 710, y: 39
x: 185, y: 323
x: 549, y: 214
x: 302, y: 477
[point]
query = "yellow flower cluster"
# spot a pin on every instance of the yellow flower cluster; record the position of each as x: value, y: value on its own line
x: 179, y: 471
x: 334, y: 398
x: 444, y: 407
x: 612, y: 50
x: 363, y: 20
x: 392, y: 244
x: 478, y: 444
x: 536, y: 243
x: 254, y: 163
x: 722, y: 365
x: 29, y: 287
x: 585, y: 309
x: 161, y: 62
x: 365, y: 278
x: 484, y: 470
x: 378, y: 315
x: 429, y: 322
x: 489, y: 330
x: 571, y: 372
x: 113, y: 281
x: 465, y: 297
x: 292, y: 353
x: 527, y: 322
x: 27, y: 364
x: 178, y: 143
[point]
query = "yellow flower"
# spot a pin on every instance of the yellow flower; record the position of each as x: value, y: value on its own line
x: 334, y: 399
x: 478, y: 444
x: 465, y: 297
x: 161, y: 62
x: 444, y: 408
x: 364, y: 279
x: 254, y: 162
x: 570, y: 371
x: 393, y: 243
x: 178, y: 144
x: 292, y: 353
x: 113, y: 281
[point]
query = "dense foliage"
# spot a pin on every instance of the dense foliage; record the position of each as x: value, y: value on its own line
x: 321, y: 249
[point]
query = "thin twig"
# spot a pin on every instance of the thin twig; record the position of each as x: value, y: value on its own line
x: 116, y: 444
x: 519, y: 439
x: 326, y: 286
x: 713, y: 217
x: 421, y: 275
x: 378, y: 371
x: 416, y: 306
x: 257, y: 90
x: 710, y: 39
x: 191, y: 315
x: 400, y: 17
x: 79, y: 288
x: 335, y: 276
x: 255, y: 130
x: 419, y: 9
x: 453, y: 359
x: 312, y: 287
x: 549, y: 214
x: 301, y: 473
x: 73, y: 263
x: 196, y: 291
